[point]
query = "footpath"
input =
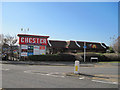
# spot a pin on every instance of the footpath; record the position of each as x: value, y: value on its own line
x: 58, y: 63
x: 52, y: 63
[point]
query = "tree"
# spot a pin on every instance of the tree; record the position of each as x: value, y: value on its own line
x: 116, y: 45
x: 1, y: 46
x: 10, y: 40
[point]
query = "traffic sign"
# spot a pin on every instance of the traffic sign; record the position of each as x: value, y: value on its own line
x: 84, y: 46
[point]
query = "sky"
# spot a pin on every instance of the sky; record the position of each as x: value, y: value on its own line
x: 83, y: 21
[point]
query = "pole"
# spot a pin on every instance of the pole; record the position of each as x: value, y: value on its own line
x: 76, y: 67
x: 84, y: 51
x: 20, y: 53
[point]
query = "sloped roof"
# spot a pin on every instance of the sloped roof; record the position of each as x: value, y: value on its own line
x: 57, y: 44
x: 75, y: 44
x: 89, y: 45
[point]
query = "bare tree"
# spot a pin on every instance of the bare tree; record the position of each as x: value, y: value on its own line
x: 11, y: 41
x: 116, y: 45
x: 1, y: 46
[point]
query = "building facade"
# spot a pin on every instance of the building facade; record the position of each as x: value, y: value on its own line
x: 40, y: 45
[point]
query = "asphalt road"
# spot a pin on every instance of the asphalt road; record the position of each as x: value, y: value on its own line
x: 37, y: 76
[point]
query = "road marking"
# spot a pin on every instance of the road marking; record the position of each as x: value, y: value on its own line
x: 48, y: 74
x: 105, y: 82
x: 27, y: 71
x: 5, y: 69
x: 81, y: 78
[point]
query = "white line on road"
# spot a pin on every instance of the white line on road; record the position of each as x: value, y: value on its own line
x: 48, y: 74
x: 5, y: 69
x: 105, y: 82
x: 53, y: 75
x: 81, y: 78
x: 27, y: 71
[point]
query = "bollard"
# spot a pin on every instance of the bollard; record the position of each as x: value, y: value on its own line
x: 76, y: 67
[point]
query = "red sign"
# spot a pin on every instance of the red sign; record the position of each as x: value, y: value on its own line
x: 42, y: 47
x: 32, y: 40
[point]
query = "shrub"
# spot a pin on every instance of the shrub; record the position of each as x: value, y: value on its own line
x: 53, y: 57
x: 72, y: 57
x: 111, y: 57
x: 101, y: 57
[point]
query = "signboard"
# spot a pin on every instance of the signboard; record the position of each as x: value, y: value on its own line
x: 84, y: 46
x: 36, y: 50
x: 32, y: 44
x: 23, y: 53
x: 31, y: 40
x: 24, y: 46
x: 24, y: 50
x: 15, y: 51
x: 93, y: 46
x: 42, y: 50
x: 30, y: 50
x: 30, y: 53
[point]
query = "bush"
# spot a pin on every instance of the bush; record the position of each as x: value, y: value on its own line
x: 53, y: 57
x: 88, y: 56
x: 101, y: 57
x: 71, y: 57
x: 111, y: 57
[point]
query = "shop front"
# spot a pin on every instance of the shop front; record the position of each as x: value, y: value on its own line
x: 32, y: 44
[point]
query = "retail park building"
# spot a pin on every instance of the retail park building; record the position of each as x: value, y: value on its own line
x: 40, y: 45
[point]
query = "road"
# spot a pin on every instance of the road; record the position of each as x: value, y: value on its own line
x: 45, y: 76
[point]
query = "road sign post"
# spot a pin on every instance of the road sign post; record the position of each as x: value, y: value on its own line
x: 85, y: 51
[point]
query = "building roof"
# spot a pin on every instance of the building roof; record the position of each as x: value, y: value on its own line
x: 20, y: 35
x: 75, y: 44
x: 57, y: 44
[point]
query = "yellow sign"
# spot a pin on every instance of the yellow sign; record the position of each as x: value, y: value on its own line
x: 76, y: 68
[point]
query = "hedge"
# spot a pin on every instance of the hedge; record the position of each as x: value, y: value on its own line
x: 53, y: 57
x: 71, y: 57
x: 101, y: 57
x: 111, y: 57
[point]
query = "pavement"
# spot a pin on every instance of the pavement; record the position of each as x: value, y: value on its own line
x: 59, y: 63
x: 53, y: 63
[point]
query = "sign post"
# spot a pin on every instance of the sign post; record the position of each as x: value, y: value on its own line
x: 85, y: 51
